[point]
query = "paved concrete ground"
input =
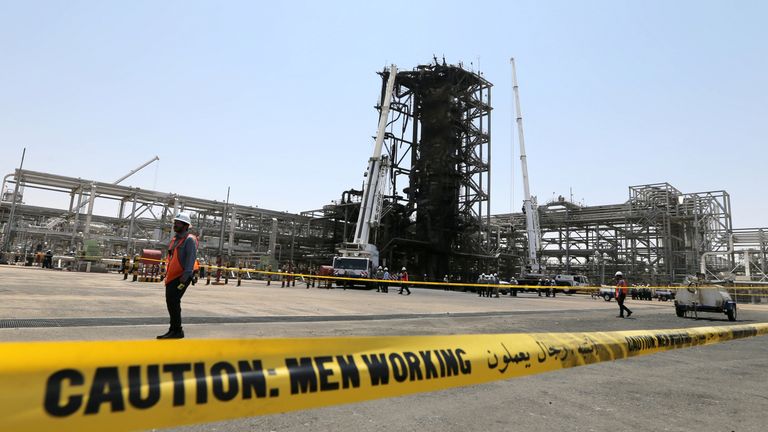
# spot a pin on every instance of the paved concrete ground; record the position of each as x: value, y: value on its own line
x: 715, y: 388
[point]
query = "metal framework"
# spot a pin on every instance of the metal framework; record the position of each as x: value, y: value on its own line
x: 439, y: 147
x: 659, y: 235
x: 751, y: 255
x: 237, y: 233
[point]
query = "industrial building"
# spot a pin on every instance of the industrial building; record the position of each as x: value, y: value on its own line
x: 435, y: 211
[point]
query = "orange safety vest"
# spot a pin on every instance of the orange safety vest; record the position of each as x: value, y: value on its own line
x: 621, y: 287
x: 175, y: 269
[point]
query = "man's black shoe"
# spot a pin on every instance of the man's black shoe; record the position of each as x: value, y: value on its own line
x: 629, y: 313
x: 172, y: 334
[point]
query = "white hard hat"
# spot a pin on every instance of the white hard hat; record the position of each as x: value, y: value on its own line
x: 379, y: 267
x: 386, y: 268
x: 618, y: 273
x: 183, y: 217
x: 403, y: 269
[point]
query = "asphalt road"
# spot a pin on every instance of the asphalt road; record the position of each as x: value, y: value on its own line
x: 714, y: 388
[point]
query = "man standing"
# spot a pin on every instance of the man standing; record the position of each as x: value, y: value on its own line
x: 387, y: 277
x: 621, y: 294
x: 182, y: 252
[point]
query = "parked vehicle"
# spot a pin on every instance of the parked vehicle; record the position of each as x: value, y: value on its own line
x: 664, y: 294
x: 696, y: 298
x: 571, y: 281
x: 509, y: 290
x: 607, y: 293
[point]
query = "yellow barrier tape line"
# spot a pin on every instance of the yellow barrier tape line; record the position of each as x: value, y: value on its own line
x: 455, y: 284
x: 127, y: 385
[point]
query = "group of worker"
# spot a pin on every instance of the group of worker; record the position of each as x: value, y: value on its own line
x: 550, y: 290
x: 492, y: 288
x: 384, y: 275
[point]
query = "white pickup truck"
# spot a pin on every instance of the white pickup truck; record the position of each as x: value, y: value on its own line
x: 571, y: 280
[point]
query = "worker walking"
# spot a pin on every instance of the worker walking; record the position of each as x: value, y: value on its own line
x: 621, y: 294
x: 403, y: 284
x: 380, y: 276
x: 182, y: 252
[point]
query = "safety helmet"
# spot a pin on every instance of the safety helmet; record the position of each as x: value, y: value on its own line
x: 379, y: 267
x: 183, y: 217
x: 618, y: 273
x: 403, y: 269
x: 386, y: 268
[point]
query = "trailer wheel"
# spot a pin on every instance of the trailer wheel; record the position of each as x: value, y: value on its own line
x: 731, y: 313
x: 680, y: 311
x: 607, y: 297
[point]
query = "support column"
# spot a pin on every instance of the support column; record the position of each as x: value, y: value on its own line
x: 89, y: 217
x: 130, y: 227
x: 232, y: 230
x: 76, y: 221
x: 273, y: 237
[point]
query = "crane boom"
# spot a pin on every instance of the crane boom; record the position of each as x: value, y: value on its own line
x: 360, y: 258
x: 529, y: 205
x: 132, y: 172
x: 370, y: 206
x: 59, y: 220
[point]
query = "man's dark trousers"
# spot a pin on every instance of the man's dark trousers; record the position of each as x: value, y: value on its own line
x: 622, y: 308
x: 173, y: 297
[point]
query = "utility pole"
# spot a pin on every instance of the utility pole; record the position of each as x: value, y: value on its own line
x: 223, y: 219
x: 9, y: 228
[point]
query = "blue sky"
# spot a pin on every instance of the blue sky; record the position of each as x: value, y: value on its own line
x: 276, y: 100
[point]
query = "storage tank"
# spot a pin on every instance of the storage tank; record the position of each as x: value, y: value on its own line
x: 151, y: 256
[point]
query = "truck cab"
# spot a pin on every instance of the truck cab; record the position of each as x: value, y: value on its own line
x: 356, y: 261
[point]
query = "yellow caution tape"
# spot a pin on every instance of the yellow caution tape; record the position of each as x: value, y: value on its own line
x: 450, y: 284
x: 127, y: 385
x: 241, y: 270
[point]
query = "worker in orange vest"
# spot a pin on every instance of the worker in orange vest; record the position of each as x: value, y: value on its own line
x: 621, y: 294
x: 404, y: 279
x: 196, y: 271
x: 182, y: 253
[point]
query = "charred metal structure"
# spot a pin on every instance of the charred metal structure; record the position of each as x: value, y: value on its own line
x: 436, y: 212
